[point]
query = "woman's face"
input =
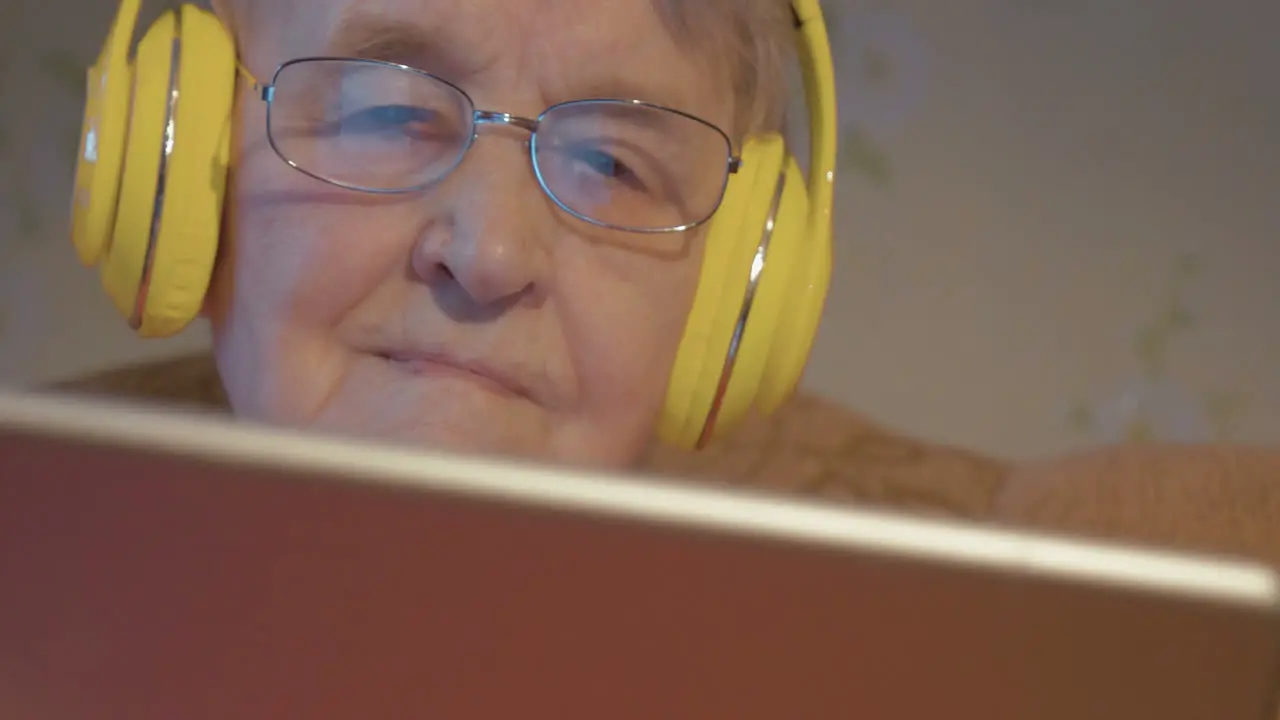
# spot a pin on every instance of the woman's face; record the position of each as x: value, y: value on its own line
x: 474, y: 315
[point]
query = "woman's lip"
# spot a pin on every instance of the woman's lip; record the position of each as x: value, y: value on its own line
x: 431, y: 365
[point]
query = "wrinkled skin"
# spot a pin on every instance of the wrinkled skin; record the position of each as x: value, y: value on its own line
x: 316, y: 284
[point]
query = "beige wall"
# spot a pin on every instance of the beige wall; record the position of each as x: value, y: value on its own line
x: 1029, y: 189
x: 1066, y: 158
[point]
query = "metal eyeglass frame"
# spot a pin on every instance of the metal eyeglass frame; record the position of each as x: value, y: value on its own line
x: 266, y: 93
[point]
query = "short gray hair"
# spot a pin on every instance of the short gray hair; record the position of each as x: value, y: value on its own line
x: 753, y: 40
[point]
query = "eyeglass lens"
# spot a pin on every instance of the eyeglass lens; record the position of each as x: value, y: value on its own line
x: 385, y: 128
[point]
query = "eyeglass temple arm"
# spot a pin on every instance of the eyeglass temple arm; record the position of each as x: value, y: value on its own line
x: 265, y: 92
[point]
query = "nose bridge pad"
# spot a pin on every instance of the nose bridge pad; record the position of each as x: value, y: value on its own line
x: 517, y: 123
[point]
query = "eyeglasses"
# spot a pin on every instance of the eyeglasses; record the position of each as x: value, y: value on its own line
x: 382, y: 127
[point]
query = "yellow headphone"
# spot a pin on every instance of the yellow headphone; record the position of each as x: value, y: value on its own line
x: 151, y: 178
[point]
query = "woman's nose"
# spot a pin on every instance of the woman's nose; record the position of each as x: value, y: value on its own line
x: 487, y: 269
x: 490, y: 239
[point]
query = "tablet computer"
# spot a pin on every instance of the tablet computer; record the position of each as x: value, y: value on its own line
x: 161, y: 565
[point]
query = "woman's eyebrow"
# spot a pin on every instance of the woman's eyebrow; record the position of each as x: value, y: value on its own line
x: 375, y: 36
x: 372, y: 35
x: 635, y: 88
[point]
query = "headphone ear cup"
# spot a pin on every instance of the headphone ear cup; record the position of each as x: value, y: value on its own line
x: 127, y: 254
x: 770, y: 327
x: 103, y: 136
x: 793, y: 293
x: 712, y: 379
x: 167, y: 221
x: 186, y: 247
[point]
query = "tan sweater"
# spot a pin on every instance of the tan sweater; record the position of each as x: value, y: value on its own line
x: 811, y: 447
x: 1203, y: 498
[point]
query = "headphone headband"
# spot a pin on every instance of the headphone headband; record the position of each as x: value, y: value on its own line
x: 818, y: 71
x: 767, y: 251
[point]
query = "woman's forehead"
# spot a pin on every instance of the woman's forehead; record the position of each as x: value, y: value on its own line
x: 566, y: 48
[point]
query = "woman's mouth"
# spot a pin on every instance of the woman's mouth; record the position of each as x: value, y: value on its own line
x: 430, y: 365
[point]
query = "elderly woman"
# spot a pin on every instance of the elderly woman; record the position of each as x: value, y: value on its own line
x: 487, y: 303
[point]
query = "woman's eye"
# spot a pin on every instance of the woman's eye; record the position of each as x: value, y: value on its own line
x: 606, y: 165
x: 385, y: 117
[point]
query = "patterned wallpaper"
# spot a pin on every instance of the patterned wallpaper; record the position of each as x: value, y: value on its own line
x: 883, y: 66
x: 1057, y: 228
